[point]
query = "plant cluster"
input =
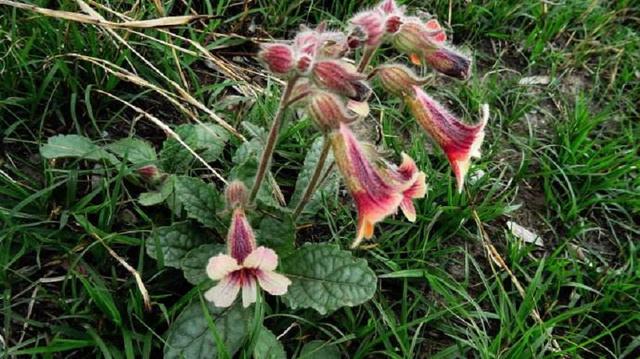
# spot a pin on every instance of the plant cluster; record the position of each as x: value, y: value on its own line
x: 260, y: 247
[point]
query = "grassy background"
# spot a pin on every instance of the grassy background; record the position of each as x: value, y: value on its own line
x: 560, y: 158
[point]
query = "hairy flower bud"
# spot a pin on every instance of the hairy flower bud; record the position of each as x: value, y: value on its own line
x: 328, y: 110
x: 449, y: 62
x: 398, y: 79
x: 151, y: 174
x: 341, y: 78
x: 279, y: 58
x: 389, y: 7
x: 236, y: 194
x: 412, y: 38
x: 372, y: 24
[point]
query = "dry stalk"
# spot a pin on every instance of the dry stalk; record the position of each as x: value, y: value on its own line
x: 128, y: 267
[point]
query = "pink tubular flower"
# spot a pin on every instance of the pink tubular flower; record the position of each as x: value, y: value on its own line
x: 377, y: 191
x: 279, y: 58
x: 244, y: 265
x: 341, y: 78
x: 458, y: 140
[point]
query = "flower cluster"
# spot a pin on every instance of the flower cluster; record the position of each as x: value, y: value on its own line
x: 335, y: 93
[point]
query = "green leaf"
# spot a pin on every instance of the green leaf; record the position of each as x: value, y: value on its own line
x: 325, y: 278
x: 327, y: 188
x: 190, y: 337
x: 199, y: 199
x: 318, y: 349
x: 207, y: 140
x: 159, y: 196
x: 134, y: 150
x: 74, y: 146
x: 170, y: 244
x: 194, y: 263
x: 277, y: 233
x: 268, y: 346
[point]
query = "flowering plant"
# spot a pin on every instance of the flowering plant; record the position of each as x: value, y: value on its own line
x: 261, y: 254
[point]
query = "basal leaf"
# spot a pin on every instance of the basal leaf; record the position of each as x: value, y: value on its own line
x: 327, y: 188
x: 207, y: 140
x: 325, y: 278
x: 200, y: 199
x: 156, y: 197
x: 194, y: 263
x: 170, y: 244
x: 190, y: 336
x: 277, y: 233
x: 268, y: 346
x: 318, y: 349
x: 135, y: 150
x: 74, y: 146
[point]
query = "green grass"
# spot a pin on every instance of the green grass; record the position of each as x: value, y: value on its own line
x: 561, y: 159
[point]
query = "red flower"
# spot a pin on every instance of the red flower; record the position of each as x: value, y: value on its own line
x: 341, y: 78
x: 377, y: 190
x: 459, y: 141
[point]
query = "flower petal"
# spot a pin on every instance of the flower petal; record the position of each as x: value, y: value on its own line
x: 224, y: 293
x: 220, y: 266
x: 262, y: 258
x: 240, y: 239
x: 249, y: 291
x: 408, y: 209
x: 272, y: 282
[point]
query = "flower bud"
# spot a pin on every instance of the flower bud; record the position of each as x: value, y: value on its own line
x: 306, y: 42
x: 398, y: 79
x: 449, y: 62
x: 236, y: 194
x: 341, y: 78
x: 328, y: 110
x: 151, y: 174
x: 412, y: 38
x: 389, y: 7
x: 279, y: 58
x: 372, y: 24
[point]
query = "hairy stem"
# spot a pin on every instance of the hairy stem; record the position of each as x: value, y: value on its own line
x: 265, y: 159
x: 315, y: 178
x: 367, y: 55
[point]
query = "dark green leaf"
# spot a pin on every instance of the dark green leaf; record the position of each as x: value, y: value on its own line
x: 190, y: 337
x: 195, y: 262
x: 134, y: 150
x: 170, y: 244
x: 278, y: 234
x: 207, y: 140
x: 268, y: 346
x: 157, y: 197
x: 326, y: 278
x: 200, y: 200
x: 317, y: 349
x: 74, y: 146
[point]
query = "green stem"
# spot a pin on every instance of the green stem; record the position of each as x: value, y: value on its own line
x: 265, y: 159
x: 367, y: 55
x: 315, y: 178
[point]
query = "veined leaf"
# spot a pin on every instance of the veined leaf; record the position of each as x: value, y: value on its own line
x: 325, y: 278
